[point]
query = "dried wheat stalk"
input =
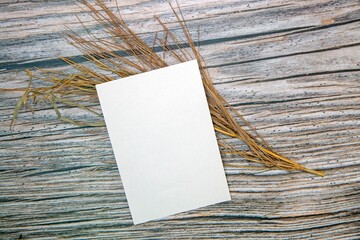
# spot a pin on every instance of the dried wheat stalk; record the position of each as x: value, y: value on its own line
x: 137, y: 57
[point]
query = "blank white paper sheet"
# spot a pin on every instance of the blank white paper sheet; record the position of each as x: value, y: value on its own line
x: 164, y: 142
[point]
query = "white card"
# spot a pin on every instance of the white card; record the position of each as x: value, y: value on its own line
x: 164, y: 142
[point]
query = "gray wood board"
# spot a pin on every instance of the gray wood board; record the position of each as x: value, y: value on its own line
x: 292, y: 68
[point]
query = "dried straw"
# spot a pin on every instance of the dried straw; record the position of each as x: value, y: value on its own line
x: 122, y: 53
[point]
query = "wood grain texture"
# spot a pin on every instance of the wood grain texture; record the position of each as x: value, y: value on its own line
x: 292, y: 68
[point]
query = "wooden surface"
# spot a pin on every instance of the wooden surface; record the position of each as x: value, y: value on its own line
x: 292, y: 68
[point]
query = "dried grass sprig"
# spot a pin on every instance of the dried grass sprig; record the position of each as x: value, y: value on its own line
x: 123, y: 53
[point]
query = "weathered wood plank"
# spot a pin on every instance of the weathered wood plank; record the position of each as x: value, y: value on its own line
x: 291, y: 68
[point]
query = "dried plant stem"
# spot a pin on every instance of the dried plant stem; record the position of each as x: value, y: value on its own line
x: 122, y: 53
